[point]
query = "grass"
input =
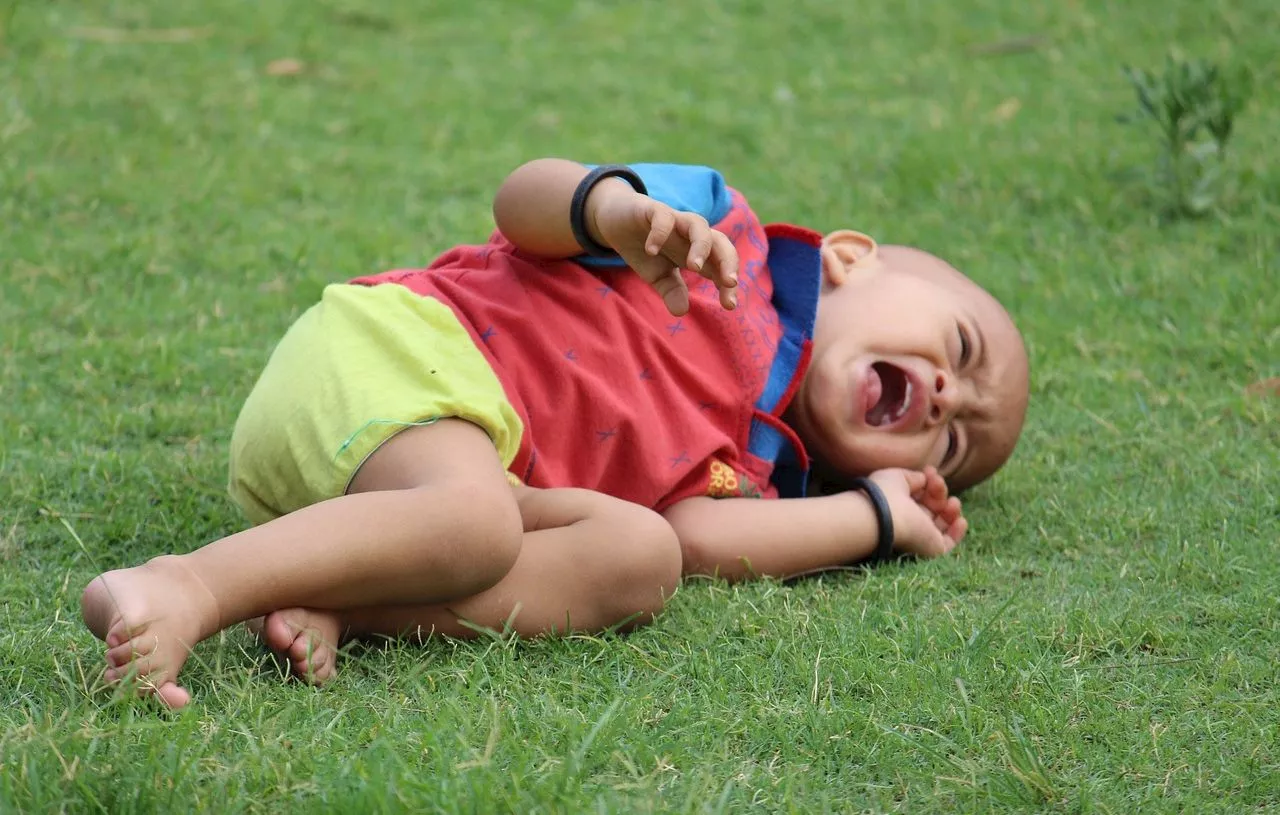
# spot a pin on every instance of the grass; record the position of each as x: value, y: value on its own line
x: 172, y: 196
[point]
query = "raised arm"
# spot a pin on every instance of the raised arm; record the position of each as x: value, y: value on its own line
x: 532, y: 206
x: 532, y: 209
x: 740, y: 538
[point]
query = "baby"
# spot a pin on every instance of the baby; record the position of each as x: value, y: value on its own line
x: 523, y: 435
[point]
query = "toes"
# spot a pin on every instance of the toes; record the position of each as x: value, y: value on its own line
x: 325, y: 672
x: 120, y: 656
x: 171, y: 694
x: 311, y: 657
x: 136, y: 668
x: 305, y: 639
x: 134, y: 679
x: 278, y: 633
x: 317, y: 672
x: 140, y: 663
x: 131, y: 650
x: 118, y: 635
x: 303, y: 647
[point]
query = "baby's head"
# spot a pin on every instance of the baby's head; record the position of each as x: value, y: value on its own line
x: 913, y: 364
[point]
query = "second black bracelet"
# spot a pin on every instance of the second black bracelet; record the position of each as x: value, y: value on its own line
x: 578, y: 206
x: 884, y: 518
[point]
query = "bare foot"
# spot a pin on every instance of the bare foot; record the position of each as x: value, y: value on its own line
x: 150, y: 617
x: 306, y: 637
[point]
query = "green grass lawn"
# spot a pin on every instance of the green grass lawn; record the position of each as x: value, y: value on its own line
x: 172, y: 196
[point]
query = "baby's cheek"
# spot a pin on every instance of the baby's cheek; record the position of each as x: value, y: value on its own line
x: 879, y: 451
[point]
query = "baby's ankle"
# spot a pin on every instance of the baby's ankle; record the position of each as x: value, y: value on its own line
x: 201, y: 602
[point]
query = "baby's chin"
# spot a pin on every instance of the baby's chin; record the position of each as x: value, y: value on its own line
x: 856, y: 460
x: 826, y: 480
x: 857, y: 454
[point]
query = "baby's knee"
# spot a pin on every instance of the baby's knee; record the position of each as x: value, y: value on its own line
x: 488, y: 540
x: 646, y: 561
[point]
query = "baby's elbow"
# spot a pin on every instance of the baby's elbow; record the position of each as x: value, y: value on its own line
x: 693, y: 555
x: 686, y: 523
x: 701, y: 552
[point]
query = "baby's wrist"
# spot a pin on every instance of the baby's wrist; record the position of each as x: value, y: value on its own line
x: 596, y: 188
x: 858, y: 520
x: 602, y: 194
x: 882, y: 511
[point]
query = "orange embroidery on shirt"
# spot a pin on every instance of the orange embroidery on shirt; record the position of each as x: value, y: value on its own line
x: 725, y: 482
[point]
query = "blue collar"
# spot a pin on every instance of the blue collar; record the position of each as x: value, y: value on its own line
x: 795, y: 267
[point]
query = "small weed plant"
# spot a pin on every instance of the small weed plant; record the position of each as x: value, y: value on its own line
x: 1194, y: 105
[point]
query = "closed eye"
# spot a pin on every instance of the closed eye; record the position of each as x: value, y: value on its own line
x: 952, y: 444
x: 966, y: 347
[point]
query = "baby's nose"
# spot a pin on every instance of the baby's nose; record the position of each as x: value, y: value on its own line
x: 942, y: 402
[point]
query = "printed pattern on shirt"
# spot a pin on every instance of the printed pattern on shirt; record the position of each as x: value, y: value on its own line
x: 615, y: 393
x: 724, y: 481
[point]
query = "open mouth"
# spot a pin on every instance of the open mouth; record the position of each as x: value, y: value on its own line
x: 895, y: 395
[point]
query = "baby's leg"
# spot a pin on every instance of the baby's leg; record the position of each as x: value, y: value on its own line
x: 444, y: 525
x: 588, y: 562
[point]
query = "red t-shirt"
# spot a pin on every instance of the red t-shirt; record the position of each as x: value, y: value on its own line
x: 615, y: 393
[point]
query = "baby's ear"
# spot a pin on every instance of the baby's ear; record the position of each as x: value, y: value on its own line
x: 851, y: 249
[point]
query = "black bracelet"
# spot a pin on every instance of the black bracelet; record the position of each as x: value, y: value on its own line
x: 884, y: 518
x: 578, y: 206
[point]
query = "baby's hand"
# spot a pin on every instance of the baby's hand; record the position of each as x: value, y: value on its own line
x: 657, y: 242
x: 926, y: 522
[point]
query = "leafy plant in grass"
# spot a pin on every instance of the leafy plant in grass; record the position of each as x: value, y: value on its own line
x: 1194, y: 105
x: 7, y: 12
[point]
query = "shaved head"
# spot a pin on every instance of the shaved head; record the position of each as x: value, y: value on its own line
x: 1007, y: 379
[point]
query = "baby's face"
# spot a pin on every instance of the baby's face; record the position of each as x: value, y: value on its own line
x: 913, y: 364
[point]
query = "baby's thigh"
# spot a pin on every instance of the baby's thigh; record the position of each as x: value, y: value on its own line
x: 452, y: 477
x: 449, y: 452
x: 362, y: 368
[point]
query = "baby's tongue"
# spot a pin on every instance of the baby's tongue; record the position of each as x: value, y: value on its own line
x: 874, y: 390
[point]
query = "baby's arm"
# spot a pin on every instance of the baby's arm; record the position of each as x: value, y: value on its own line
x: 738, y: 538
x: 532, y: 209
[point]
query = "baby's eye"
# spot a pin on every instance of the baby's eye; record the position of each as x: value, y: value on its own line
x: 952, y: 443
x: 966, y: 350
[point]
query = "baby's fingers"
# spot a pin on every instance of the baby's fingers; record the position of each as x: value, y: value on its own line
x: 721, y: 268
x: 695, y: 229
x: 674, y: 292
x: 950, y: 521
x: 916, y: 482
x: 688, y: 241
x: 708, y: 248
x: 934, y: 493
x: 661, y: 226
x: 710, y: 254
x: 946, y: 516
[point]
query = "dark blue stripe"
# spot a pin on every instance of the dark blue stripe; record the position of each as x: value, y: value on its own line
x: 796, y: 270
